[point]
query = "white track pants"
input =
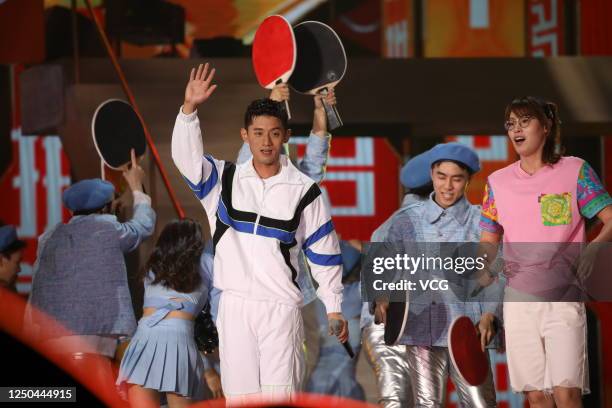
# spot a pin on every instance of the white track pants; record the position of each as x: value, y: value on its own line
x: 261, y: 348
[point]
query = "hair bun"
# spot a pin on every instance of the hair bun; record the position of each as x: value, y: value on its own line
x: 551, y: 110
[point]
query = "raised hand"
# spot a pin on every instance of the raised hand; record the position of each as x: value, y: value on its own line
x: 329, y: 98
x: 319, y: 122
x: 280, y: 92
x: 198, y: 88
x: 134, y: 174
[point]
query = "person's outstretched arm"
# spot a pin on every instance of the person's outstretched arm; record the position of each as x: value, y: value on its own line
x: 201, y: 172
x: 142, y: 223
x: 317, y: 150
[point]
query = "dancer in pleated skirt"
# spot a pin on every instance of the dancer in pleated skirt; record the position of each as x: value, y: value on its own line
x: 162, y: 356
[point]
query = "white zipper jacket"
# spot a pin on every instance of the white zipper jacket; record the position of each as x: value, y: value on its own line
x: 258, y: 226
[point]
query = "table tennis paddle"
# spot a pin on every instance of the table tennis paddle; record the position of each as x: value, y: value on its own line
x: 116, y: 130
x: 397, y: 318
x: 320, y: 64
x: 466, y: 353
x: 274, y: 53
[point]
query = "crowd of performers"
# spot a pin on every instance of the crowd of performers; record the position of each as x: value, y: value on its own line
x: 272, y: 232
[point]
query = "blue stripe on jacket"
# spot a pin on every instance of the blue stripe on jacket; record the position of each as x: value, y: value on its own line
x: 323, y: 260
x: 323, y: 230
x: 204, y: 187
x: 240, y: 226
x: 283, y: 236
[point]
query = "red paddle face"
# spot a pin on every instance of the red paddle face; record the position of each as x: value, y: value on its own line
x: 467, y: 356
x: 274, y: 51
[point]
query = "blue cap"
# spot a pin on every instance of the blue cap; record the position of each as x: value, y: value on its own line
x: 8, y: 236
x: 87, y: 195
x: 416, y: 173
x: 350, y: 257
x: 456, y: 152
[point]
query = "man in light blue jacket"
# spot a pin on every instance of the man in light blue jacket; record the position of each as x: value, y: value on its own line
x: 80, y: 276
x: 446, y: 216
x: 389, y: 366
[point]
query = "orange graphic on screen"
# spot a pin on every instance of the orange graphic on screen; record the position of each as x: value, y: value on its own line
x: 474, y: 28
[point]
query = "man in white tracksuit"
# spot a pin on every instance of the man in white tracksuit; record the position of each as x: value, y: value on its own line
x: 261, y: 213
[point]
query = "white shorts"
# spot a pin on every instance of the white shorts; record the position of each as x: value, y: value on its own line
x: 260, y: 347
x: 546, y: 345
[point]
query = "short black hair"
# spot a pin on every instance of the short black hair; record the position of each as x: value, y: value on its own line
x: 16, y: 246
x: 265, y: 107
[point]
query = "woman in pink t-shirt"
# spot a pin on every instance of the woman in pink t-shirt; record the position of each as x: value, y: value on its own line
x: 543, y: 199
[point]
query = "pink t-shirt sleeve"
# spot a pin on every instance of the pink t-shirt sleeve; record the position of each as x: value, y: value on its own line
x: 488, y: 215
x: 592, y: 195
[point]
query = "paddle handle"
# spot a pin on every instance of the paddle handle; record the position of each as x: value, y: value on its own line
x: 280, y: 81
x: 288, y: 110
x: 333, y: 117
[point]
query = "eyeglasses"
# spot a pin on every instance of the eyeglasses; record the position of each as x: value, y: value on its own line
x: 523, y: 122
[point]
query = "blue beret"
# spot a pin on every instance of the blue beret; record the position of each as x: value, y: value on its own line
x: 416, y: 172
x: 88, y: 195
x: 350, y: 257
x: 456, y: 152
x: 8, y: 236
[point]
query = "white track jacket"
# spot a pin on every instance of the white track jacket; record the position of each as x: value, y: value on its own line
x: 258, y: 226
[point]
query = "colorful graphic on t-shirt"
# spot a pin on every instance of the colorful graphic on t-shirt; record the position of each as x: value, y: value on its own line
x: 556, y: 209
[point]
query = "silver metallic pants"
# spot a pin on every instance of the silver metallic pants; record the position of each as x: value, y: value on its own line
x: 390, y: 367
x: 414, y: 376
x: 429, y: 369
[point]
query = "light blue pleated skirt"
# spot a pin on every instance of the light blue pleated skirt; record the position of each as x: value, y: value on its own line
x: 164, y: 358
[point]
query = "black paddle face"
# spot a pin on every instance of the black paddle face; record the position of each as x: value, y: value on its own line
x: 116, y: 131
x: 320, y: 57
x: 397, y: 317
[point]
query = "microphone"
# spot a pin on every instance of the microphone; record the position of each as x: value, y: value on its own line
x: 336, y: 327
x: 349, y: 349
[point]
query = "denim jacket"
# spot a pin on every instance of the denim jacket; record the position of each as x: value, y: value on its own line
x: 427, y: 222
